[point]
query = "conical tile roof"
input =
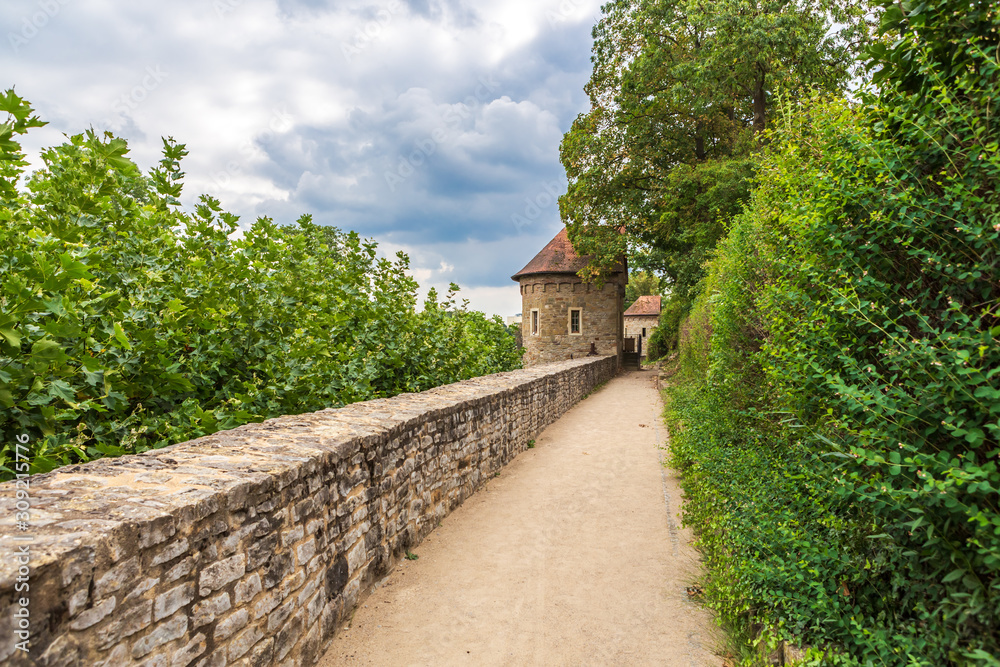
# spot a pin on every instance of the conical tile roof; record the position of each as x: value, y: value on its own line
x: 556, y: 257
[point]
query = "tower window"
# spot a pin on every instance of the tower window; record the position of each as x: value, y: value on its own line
x: 574, y: 320
x: 534, y: 323
x: 644, y: 332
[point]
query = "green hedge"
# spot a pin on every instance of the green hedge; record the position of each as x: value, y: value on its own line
x: 839, y: 417
x: 127, y: 323
x: 665, y: 336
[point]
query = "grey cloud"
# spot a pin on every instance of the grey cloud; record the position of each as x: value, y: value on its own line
x: 439, y: 85
x: 455, y: 12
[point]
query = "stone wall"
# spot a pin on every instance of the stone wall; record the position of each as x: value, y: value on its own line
x: 251, y: 546
x: 553, y: 295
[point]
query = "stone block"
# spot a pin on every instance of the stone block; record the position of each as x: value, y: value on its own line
x: 259, y: 552
x: 127, y: 622
x: 167, y: 603
x: 278, y: 617
x: 208, y: 610
x: 93, y: 616
x: 279, y: 567
x: 62, y: 652
x: 119, y: 656
x: 265, y: 604
x: 156, y: 531
x: 217, y: 575
x: 156, y: 660
x: 167, y: 631
x: 137, y: 591
x: 288, y: 635
x: 260, y: 655
x: 292, y: 583
x: 247, y: 589
x: 315, y: 606
x: 230, y: 624
x: 77, y: 601
x: 181, y: 569
x: 170, y: 552
x: 114, y: 579
x: 305, y: 551
x: 82, y: 565
x: 191, y: 652
x: 356, y: 557
x: 216, y: 658
x: 244, y: 641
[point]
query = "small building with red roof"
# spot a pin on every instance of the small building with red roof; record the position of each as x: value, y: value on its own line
x: 564, y: 317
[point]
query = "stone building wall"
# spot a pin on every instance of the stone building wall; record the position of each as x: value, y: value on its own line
x: 634, y: 324
x: 251, y: 546
x: 553, y: 295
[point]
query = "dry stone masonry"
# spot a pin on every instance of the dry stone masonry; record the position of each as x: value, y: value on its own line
x: 564, y: 317
x: 250, y: 546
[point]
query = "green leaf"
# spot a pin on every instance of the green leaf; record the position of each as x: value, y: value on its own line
x: 975, y: 437
x: 61, y: 389
x: 121, y: 337
x: 55, y: 306
x: 11, y: 337
x: 73, y: 268
x: 46, y: 348
x: 954, y: 575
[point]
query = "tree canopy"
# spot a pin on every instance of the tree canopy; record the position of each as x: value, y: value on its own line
x: 128, y: 323
x: 679, y: 93
x: 641, y: 283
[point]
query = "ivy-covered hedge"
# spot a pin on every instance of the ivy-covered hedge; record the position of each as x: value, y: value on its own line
x: 838, y: 421
x: 128, y: 323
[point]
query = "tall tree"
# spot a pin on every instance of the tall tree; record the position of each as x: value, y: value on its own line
x: 688, y: 83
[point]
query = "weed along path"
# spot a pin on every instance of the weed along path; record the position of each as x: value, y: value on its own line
x: 573, y: 555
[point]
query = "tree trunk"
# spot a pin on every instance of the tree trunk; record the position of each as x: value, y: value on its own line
x: 699, y: 141
x: 759, y: 105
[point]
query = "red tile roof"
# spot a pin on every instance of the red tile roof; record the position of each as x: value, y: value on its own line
x: 645, y: 306
x: 556, y: 257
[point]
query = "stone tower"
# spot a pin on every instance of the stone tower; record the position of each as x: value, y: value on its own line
x: 563, y: 317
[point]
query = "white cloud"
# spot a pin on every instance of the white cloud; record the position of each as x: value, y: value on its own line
x: 280, y: 120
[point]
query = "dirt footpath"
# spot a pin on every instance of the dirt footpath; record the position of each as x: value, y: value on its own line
x: 574, y: 555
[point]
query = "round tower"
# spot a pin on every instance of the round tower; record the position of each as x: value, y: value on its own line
x: 563, y: 317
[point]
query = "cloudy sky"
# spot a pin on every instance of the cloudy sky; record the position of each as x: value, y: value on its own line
x: 432, y: 126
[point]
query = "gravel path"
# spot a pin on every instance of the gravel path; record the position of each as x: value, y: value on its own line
x: 574, y: 555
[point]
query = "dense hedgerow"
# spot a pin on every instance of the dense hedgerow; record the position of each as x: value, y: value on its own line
x: 127, y: 323
x: 839, y: 416
x: 665, y: 336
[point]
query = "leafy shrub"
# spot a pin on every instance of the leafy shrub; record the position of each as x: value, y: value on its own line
x: 127, y: 323
x: 665, y: 337
x: 840, y: 430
